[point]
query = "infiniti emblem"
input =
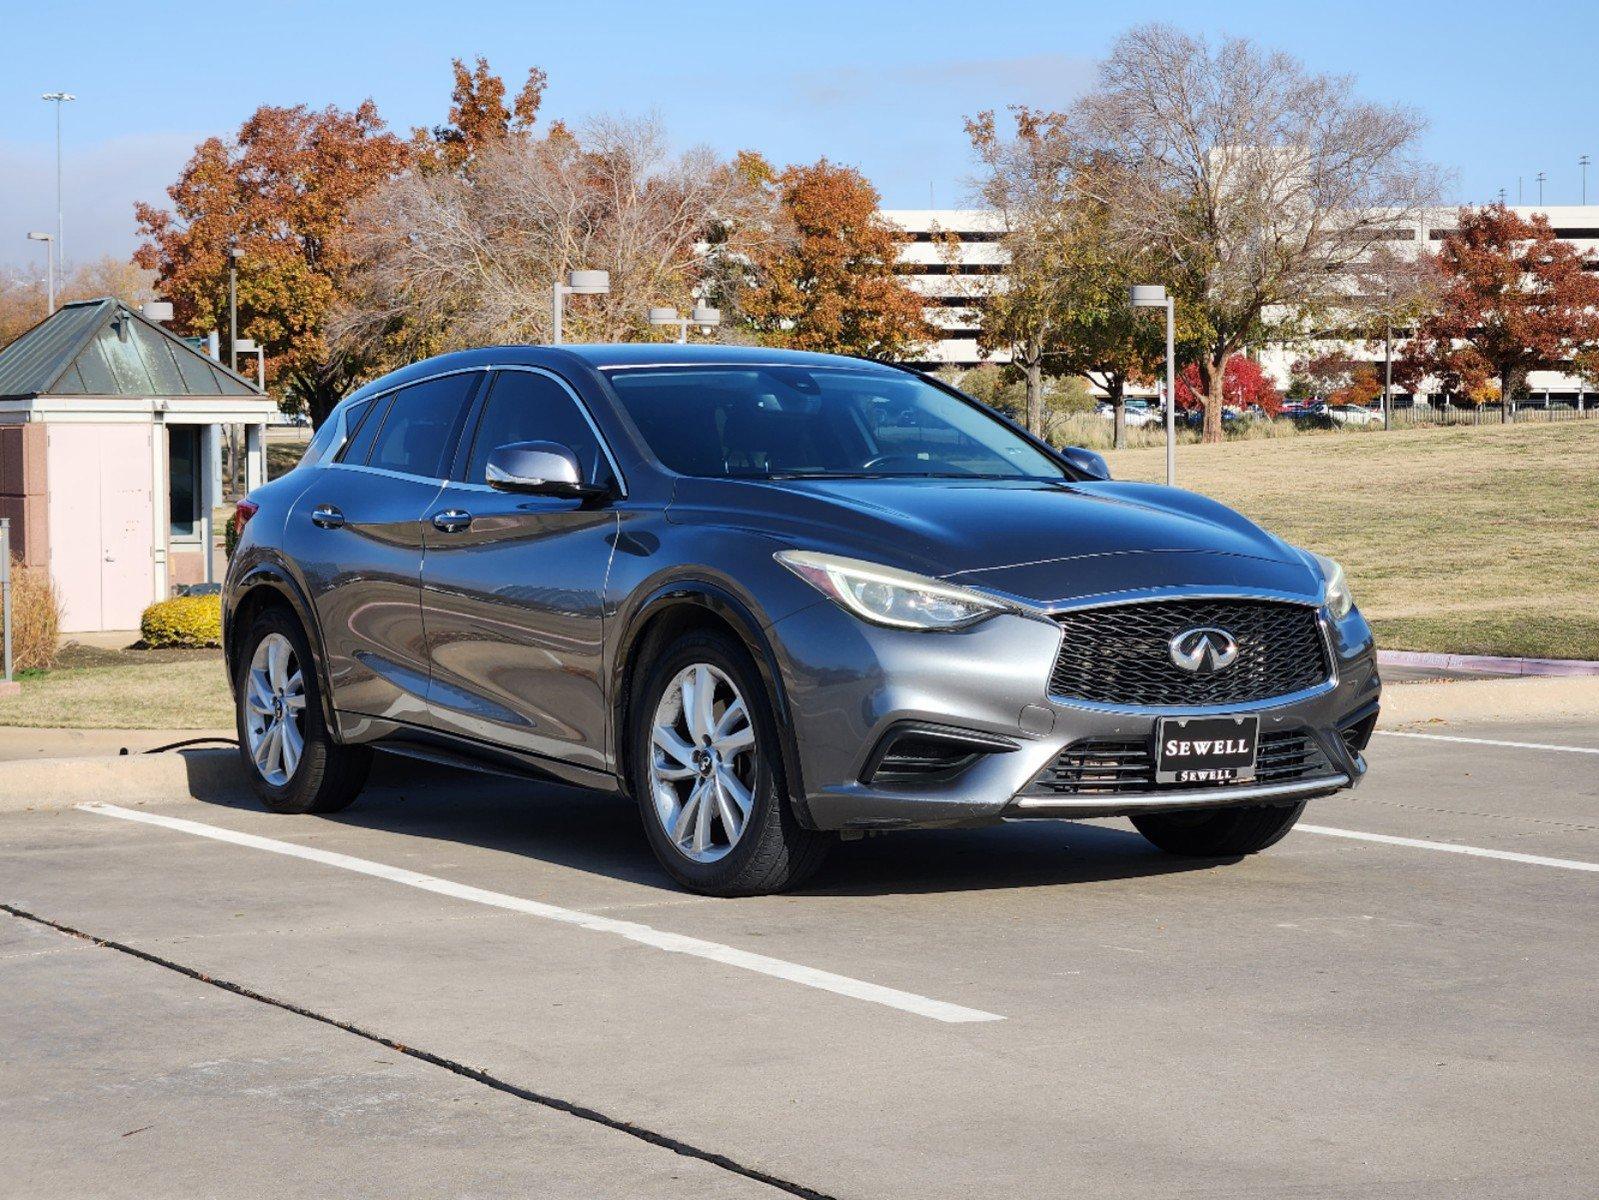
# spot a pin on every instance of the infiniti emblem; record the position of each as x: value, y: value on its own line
x: 1203, y: 651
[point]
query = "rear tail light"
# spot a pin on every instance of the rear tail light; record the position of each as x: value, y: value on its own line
x: 242, y: 512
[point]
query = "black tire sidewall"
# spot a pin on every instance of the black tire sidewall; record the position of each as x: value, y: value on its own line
x: 768, y: 809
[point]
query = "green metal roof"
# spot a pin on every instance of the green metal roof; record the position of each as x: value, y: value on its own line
x: 104, y: 348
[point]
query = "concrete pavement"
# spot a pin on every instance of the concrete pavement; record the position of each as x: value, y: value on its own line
x: 1330, y: 1018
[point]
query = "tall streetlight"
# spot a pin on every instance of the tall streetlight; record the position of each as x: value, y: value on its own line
x: 1540, y: 177
x: 1583, y: 163
x: 702, y: 315
x: 578, y: 283
x: 234, y: 255
x: 1143, y: 295
x: 50, y: 263
x: 58, y: 99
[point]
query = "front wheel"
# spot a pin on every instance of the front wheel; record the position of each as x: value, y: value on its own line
x: 1219, y: 832
x: 706, y: 770
x: 293, y: 762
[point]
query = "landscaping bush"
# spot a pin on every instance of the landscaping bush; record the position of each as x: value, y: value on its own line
x: 35, y: 618
x: 191, y: 621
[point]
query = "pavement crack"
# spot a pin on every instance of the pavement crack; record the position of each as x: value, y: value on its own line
x: 570, y: 1108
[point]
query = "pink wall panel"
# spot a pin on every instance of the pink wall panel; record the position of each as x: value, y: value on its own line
x: 100, y: 524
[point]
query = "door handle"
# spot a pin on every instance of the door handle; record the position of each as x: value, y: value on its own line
x: 452, y: 520
x: 326, y: 516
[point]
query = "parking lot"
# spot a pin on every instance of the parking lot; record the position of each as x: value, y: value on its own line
x: 467, y: 987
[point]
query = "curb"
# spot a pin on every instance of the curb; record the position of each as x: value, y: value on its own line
x: 1487, y: 664
x: 41, y: 784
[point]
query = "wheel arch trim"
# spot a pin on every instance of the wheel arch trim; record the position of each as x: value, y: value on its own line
x: 273, y: 576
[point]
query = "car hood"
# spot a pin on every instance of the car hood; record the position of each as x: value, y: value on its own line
x: 1039, y: 542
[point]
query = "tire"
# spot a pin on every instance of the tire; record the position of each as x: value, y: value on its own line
x: 323, y: 776
x: 771, y: 851
x: 1219, y: 832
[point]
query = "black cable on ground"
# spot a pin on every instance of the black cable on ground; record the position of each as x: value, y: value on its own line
x: 662, y: 1140
x: 199, y: 741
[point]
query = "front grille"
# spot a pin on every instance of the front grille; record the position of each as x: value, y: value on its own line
x: 1112, y: 766
x: 1122, y: 655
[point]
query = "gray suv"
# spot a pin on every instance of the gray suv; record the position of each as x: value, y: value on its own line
x: 778, y: 598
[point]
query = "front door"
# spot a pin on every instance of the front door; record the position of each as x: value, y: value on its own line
x: 512, y: 586
x: 101, y: 523
x: 356, y: 533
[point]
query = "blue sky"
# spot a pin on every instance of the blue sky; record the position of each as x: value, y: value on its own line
x: 1509, y: 89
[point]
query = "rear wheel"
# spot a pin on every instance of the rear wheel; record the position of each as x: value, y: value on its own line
x: 707, y: 773
x: 293, y: 762
x: 1219, y: 832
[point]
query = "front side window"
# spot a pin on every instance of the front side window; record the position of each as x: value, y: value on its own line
x: 527, y: 407
x: 420, y: 426
x: 789, y: 422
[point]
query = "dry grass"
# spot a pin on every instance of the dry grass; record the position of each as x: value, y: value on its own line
x: 1476, y: 540
x: 35, y: 618
x: 166, y: 694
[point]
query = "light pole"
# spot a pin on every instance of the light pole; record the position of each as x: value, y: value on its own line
x: 50, y: 264
x: 1154, y: 296
x: 578, y: 283
x: 702, y: 315
x: 1540, y: 177
x: 1583, y: 163
x: 234, y: 255
x: 58, y: 99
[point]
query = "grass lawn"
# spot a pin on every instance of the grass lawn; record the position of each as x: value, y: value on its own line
x: 125, y: 689
x: 1473, y: 540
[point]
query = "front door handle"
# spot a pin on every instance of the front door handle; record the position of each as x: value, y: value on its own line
x: 326, y: 516
x: 452, y: 520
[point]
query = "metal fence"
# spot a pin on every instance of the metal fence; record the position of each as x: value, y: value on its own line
x: 1492, y: 414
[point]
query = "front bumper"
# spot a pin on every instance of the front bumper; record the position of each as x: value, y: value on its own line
x: 850, y: 684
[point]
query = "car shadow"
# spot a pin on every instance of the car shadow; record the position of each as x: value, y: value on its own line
x: 602, y: 835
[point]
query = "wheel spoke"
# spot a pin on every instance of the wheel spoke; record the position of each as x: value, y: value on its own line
x: 683, y: 826
x: 292, y: 745
x: 258, y: 694
x: 732, y: 819
x: 702, y: 820
x: 703, y: 720
x: 739, y: 739
x: 294, y: 692
x: 278, y: 663
x: 736, y: 792
x: 262, y: 751
x: 671, y: 742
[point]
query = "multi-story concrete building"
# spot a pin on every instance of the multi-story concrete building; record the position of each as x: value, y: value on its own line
x: 954, y: 258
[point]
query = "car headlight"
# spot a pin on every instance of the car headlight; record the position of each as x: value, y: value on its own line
x: 1340, y: 600
x: 887, y: 596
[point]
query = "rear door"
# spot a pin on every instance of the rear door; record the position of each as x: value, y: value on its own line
x: 356, y: 533
x: 512, y: 584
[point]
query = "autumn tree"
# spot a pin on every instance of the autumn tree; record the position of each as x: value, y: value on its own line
x: 479, y: 117
x: 831, y: 285
x: 281, y: 191
x: 24, y: 296
x: 1254, y: 181
x: 1514, y: 298
x: 448, y: 260
x: 1245, y: 384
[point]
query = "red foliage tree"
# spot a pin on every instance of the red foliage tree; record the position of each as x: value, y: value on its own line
x: 1515, y: 298
x: 1243, y: 383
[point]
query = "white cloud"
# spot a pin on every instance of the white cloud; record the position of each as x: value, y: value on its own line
x: 100, y: 182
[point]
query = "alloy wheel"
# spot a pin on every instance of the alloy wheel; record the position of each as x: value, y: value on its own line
x: 703, y: 763
x: 274, y: 710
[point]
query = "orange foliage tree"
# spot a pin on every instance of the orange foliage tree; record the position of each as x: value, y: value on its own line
x: 831, y: 286
x: 281, y: 191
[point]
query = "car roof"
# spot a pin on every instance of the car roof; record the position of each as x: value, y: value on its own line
x: 655, y: 354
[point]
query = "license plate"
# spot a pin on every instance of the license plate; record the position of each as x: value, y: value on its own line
x: 1206, y: 749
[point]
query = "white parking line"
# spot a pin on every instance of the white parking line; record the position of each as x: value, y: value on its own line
x: 1439, y: 737
x: 675, y: 943
x: 1537, y: 860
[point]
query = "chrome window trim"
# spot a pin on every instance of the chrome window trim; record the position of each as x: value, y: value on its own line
x: 582, y: 408
x: 1201, y: 710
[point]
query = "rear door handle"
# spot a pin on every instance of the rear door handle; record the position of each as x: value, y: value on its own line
x: 326, y: 516
x: 452, y: 520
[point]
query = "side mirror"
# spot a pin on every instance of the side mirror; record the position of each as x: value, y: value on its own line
x: 1087, y: 461
x: 540, y: 469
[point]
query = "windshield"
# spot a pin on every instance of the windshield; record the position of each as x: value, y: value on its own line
x: 793, y: 422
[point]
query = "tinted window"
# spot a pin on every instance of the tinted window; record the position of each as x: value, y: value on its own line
x: 785, y: 421
x: 420, y: 426
x: 333, y: 433
x: 366, y: 431
x: 524, y: 407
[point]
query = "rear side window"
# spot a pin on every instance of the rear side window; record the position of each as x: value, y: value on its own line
x: 420, y: 427
x: 366, y: 432
x: 527, y: 407
x: 334, y: 432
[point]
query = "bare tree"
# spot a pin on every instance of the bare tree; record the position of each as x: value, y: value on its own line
x: 1257, y: 182
x: 467, y: 258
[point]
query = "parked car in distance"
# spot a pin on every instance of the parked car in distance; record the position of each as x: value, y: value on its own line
x: 1353, y: 414
x: 1137, y: 414
x: 740, y: 586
